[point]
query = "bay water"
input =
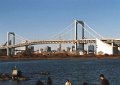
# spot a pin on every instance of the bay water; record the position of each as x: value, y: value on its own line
x: 76, y: 70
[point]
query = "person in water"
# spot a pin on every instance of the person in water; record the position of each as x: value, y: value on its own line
x: 85, y: 83
x: 49, y: 81
x: 14, y: 73
x: 68, y: 82
x: 104, y: 81
x: 39, y: 82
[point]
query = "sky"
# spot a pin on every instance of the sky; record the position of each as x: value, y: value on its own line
x: 30, y: 18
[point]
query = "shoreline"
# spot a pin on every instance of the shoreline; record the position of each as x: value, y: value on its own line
x: 60, y: 57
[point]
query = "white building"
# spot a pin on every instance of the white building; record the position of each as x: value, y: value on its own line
x: 103, y: 48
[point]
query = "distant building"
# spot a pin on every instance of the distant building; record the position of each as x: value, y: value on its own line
x: 115, y: 49
x: 91, y: 49
x: 31, y: 48
x: 73, y: 48
x: 20, y: 49
x: 58, y: 49
x: 68, y: 49
x: 3, y: 52
x: 104, y: 48
x: 80, y: 47
x: 48, y: 49
x: 63, y: 50
x: 41, y: 50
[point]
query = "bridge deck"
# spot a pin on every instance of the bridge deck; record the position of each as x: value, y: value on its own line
x: 85, y: 41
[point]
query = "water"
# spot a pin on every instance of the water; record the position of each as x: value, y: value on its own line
x: 77, y: 70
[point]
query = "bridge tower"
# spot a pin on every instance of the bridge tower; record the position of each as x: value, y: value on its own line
x: 76, y: 35
x: 10, y: 41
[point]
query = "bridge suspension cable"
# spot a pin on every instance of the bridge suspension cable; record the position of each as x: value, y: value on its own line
x: 61, y: 33
x: 89, y: 32
x: 21, y: 38
x: 93, y: 30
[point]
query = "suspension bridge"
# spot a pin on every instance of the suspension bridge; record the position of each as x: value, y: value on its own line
x: 80, y: 37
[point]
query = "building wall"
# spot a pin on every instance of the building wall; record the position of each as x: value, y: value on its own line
x: 115, y: 49
x: 103, y: 47
x: 91, y: 49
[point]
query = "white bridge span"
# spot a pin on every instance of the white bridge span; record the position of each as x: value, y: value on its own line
x: 36, y: 42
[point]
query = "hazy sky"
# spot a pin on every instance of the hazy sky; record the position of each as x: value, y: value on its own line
x: 29, y: 18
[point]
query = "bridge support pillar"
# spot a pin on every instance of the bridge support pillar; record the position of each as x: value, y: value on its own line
x: 76, y: 35
x: 10, y: 51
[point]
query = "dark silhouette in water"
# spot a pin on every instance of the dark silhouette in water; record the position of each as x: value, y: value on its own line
x: 104, y: 81
x: 49, y: 81
x: 39, y: 82
x: 17, y: 74
x: 85, y: 83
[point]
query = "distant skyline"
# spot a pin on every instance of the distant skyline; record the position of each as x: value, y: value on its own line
x: 30, y: 18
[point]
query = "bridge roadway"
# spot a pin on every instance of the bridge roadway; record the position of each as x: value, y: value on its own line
x: 85, y: 41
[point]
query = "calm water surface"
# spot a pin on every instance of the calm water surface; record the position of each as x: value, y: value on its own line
x: 77, y: 70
